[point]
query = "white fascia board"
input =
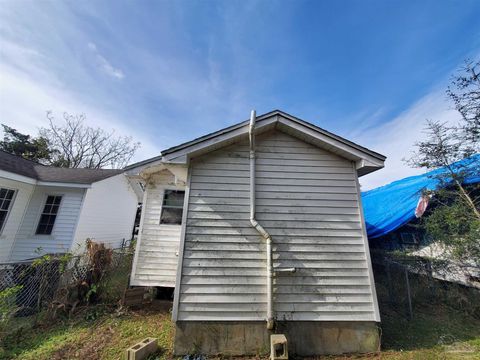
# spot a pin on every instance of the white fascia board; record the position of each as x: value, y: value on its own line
x: 217, y: 142
x: 363, y: 159
x: 25, y: 179
x: 341, y: 147
x: 16, y: 177
x: 64, y: 184
x: 139, y: 169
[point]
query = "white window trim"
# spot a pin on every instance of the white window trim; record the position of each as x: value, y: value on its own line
x: 171, y: 188
x: 9, y: 210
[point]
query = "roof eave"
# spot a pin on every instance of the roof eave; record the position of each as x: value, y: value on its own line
x: 180, y: 154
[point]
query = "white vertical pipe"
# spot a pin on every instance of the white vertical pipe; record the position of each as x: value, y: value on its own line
x: 257, y: 226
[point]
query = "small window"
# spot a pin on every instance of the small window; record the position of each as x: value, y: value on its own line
x: 49, y: 214
x: 6, y: 200
x: 172, y: 207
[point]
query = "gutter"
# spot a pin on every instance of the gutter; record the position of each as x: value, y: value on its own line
x: 257, y: 226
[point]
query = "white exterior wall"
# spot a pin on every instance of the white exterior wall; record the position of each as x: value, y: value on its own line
x: 156, y: 256
x: 108, y: 213
x: 307, y: 199
x: 27, y: 242
x: 23, y: 191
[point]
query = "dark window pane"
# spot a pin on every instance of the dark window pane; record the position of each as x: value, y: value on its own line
x: 172, y: 207
x: 5, y: 205
x: 10, y: 194
x: 171, y: 216
x: 51, y: 219
x: 6, y: 199
x: 3, y: 216
x: 49, y: 215
x: 173, y: 198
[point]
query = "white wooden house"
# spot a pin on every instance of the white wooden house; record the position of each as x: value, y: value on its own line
x: 270, y: 238
x: 45, y: 209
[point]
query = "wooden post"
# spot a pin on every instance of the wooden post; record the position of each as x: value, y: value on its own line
x: 407, y: 282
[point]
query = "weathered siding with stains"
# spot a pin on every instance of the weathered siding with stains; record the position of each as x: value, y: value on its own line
x: 156, y: 256
x: 307, y: 198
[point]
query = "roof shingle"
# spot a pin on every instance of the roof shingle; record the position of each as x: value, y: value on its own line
x: 18, y: 165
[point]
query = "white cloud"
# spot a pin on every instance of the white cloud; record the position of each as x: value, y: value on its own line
x: 26, y: 94
x: 396, y: 138
x: 104, y: 64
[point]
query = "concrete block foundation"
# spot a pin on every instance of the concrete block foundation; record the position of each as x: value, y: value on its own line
x: 305, y: 338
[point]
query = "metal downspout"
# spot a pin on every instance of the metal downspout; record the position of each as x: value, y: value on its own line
x: 259, y: 227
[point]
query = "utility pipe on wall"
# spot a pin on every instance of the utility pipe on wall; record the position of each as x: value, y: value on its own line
x: 257, y: 226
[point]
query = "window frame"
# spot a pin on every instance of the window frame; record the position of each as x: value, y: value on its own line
x: 41, y: 212
x: 171, y: 207
x: 9, y: 210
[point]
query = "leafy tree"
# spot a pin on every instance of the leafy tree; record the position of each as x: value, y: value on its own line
x: 455, y: 220
x: 77, y: 145
x: 26, y: 146
x: 455, y: 226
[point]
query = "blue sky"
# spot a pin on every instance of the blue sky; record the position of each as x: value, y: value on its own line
x: 165, y: 72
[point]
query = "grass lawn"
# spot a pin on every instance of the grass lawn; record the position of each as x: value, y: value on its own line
x: 444, y: 334
x: 105, y: 336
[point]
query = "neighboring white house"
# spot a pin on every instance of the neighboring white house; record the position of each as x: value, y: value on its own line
x: 270, y: 238
x: 46, y: 209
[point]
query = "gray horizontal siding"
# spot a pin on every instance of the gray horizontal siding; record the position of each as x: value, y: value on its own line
x: 307, y: 199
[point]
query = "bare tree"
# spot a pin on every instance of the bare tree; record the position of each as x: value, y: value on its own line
x: 465, y: 94
x: 446, y: 145
x: 444, y: 148
x: 76, y: 145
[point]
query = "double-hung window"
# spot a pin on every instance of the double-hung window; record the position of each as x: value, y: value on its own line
x: 172, y: 207
x: 6, y: 201
x: 49, y: 215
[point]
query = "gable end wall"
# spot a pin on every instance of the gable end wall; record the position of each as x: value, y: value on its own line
x: 307, y: 198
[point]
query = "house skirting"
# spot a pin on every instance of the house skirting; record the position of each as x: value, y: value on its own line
x: 305, y: 338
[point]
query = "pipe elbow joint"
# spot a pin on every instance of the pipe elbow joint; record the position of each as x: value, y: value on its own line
x: 270, y: 323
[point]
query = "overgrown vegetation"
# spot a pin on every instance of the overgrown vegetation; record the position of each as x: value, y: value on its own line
x: 436, y: 332
x: 8, y: 307
x: 454, y: 225
x: 103, y: 280
x: 453, y: 150
x: 72, y: 296
x: 445, y: 325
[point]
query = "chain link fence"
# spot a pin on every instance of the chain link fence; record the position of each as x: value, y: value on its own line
x: 407, y: 282
x: 64, y: 281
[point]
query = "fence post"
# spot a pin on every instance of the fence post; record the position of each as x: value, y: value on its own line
x: 408, y: 294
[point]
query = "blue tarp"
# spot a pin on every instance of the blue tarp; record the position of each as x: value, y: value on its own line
x: 388, y: 207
